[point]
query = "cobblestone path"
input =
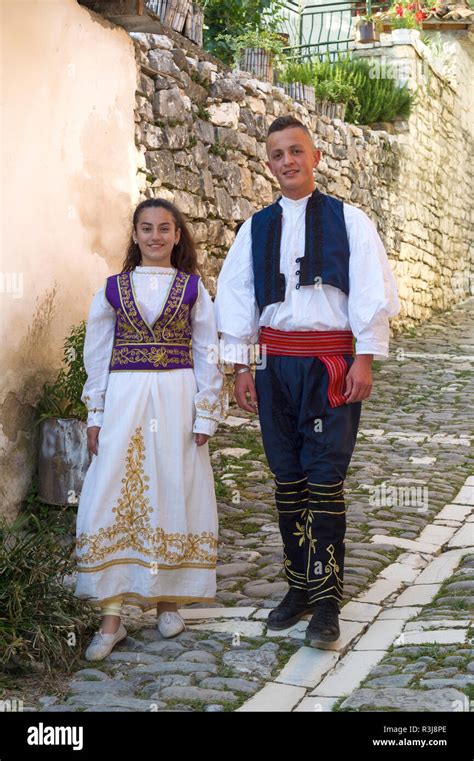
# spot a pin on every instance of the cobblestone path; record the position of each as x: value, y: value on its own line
x: 406, y: 642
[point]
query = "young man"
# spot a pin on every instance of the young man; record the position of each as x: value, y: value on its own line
x: 304, y: 277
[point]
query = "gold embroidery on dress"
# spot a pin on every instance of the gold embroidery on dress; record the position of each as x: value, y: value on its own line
x: 220, y: 406
x: 132, y: 529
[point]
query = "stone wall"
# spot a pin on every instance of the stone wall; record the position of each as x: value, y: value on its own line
x: 201, y: 135
x: 429, y: 222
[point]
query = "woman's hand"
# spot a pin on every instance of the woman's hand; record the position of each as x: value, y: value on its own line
x: 201, y: 438
x: 93, y: 438
x: 358, y: 384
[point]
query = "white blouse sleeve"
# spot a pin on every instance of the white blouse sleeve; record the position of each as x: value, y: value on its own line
x: 236, y: 307
x: 97, y: 352
x: 373, y: 296
x: 209, y: 401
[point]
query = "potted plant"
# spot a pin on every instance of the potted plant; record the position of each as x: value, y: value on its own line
x: 297, y: 79
x: 257, y: 51
x: 63, y: 454
x: 332, y: 97
x: 368, y: 27
x: 404, y: 18
x: 194, y: 22
x: 172, y: 13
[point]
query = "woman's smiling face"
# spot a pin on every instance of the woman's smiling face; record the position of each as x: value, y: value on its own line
x: 156, y: 234
x: 292, y: 158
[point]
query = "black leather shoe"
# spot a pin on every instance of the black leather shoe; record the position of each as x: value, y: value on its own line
x: 324, y: 624
x: 294, y: 606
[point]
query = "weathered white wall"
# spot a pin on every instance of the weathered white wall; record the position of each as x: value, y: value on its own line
x: 68, y: 177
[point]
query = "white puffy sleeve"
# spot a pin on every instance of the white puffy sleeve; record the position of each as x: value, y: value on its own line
x: 236, y: 307
x: 97, y: 352
x: 209, y: 401
x: 373, y: 296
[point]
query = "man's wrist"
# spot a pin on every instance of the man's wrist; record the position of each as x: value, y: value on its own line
x: 239, y: 369
x: 367, y: 358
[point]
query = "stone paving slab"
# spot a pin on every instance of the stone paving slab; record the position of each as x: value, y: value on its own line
x: 274, y: 698
x: 418, y: 594
x: 379, y: 636
x: 359, y: 611
x: 245, y: 628
x: 441, y: 567
x: 400, y: 613
x: 206, y: 614
x: 453, y: 512
x: 408, y: 544
x: 445, y: 637
x: 464, y: 537
x: 349, y: 673
x: 380, y: 590
x: 316, y: 704
x: 307, y: 667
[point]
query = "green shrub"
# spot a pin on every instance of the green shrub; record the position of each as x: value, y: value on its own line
x: 335, y: 91
x: 43, y: 626
x: 296, y: 72
x: 232, y: 18
x: 375, y: 99
x: 63, y: 397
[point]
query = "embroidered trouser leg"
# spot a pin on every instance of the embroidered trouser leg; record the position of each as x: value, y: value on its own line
x: 308, y: 445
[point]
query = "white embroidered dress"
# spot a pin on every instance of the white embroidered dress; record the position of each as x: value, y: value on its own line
x: 147, y: 516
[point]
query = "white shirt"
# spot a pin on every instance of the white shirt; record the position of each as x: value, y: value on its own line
x: 151, y: 287
x: 366, y: 310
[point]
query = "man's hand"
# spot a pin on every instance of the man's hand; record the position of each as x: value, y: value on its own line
x: 201, y: 438
x: 245, y: 387
x: 358, y: 385
x: 93, y: 438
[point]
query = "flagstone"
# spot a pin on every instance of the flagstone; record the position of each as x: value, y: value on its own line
x: 442, y: 636
x: 440, y: 568
x: 464, y: 537
x: 316, y: 704
x: 359, y: 611
x: 274, y: 697
x: 380, y: 635
x: 307, y: 667
x: 192, y: 614
x: 349, y: 673
x: 418, y: 594
x: 379, y: 591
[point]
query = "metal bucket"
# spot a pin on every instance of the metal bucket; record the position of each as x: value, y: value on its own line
x: 63, y: 460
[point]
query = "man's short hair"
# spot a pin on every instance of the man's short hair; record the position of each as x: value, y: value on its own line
x: 283, y: 122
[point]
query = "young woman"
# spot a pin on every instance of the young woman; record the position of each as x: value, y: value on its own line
x: 147, y: 517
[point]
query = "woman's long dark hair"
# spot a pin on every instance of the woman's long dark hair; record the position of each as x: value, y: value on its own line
x: 183, y: 255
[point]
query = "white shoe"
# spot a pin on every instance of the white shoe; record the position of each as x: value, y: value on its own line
x: 170, y: 623
x: 103, y: 644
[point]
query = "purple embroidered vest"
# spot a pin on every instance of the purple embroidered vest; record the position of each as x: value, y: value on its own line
x: 165, y: 345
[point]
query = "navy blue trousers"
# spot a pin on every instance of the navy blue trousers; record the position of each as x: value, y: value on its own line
x: 309, y: 445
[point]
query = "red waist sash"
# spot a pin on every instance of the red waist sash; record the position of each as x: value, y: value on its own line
x: 327, y: 345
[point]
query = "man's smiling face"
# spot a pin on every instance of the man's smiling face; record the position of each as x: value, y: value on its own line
x: 292, y: 158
